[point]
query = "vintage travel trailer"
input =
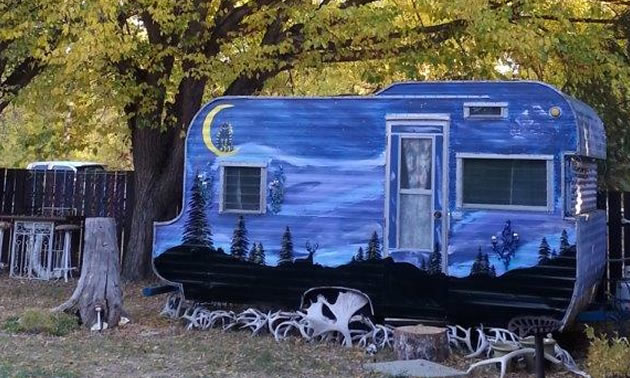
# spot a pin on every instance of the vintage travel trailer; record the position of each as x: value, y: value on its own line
x: 460, y: 201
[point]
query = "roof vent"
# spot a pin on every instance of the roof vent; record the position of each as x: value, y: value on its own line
x: 485, y: 110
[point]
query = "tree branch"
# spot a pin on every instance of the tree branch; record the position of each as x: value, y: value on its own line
x: 355, y: 3
x: 19, y: 78
x: 584, y: 20
x: 233, y: 19
x: 345, y: 52
x: 251, y: 82
x: 615, y: 2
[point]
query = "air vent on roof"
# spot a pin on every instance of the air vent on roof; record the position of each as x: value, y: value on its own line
x: 485, y: 110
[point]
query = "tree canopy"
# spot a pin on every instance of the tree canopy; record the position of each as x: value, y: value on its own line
x: 29, y: 32
x: 147, y: 66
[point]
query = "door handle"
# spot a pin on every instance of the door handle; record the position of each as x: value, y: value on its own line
x: 437, y: 214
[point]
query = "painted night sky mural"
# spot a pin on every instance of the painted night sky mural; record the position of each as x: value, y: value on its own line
x: 408, y: 184
x: 331, y: 156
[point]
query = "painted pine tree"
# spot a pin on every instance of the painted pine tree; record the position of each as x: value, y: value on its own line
x: 482, y: 264
x: 286, y: 247
x: 224, y: 138
x: 360, y: 255
x: 197, y: 228
x: 476, y: 266
x: 240, y: 243
x: 493, y: 271
x: 435, y: 261
x: 252, y: 253
x: 276, y: 190
x: 544, y: 252
x: 485, y: 264
x: 564, y: 243
x: 259, y: 254
x: 423, y: 264
x: 374, y: 248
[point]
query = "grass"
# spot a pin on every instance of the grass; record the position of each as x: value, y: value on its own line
x: 7, y: 370
x: 151, y: 346
x: 35, y: 321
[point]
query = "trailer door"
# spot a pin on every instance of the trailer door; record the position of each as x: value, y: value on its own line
x: 416, y: 187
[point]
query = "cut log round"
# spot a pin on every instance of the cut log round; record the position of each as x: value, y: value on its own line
x: 99, y: 284
x: 413, y: 342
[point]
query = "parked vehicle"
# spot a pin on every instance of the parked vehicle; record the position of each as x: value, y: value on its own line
x: 461, y: 201
x: 62, y: 165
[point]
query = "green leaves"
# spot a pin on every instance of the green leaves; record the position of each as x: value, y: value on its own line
x: 141, y: 59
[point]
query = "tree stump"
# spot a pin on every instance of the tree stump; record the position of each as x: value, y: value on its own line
x: 99, y: 284
x: 413, y: 342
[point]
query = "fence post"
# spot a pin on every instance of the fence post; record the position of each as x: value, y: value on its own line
x: 625, y: 220
x: 615, y: 264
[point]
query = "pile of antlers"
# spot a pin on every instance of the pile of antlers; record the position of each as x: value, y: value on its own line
x: 461, y: 338
x: 310, y: 324
x: 350, y: 328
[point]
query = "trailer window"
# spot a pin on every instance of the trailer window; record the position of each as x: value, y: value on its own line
x: 581, y: 185
x: 243, y: 189
x: 504, y: 183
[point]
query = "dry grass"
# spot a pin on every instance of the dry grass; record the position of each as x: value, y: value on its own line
x: 152, y: 346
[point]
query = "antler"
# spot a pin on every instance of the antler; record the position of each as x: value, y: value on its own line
x: 312, y: 248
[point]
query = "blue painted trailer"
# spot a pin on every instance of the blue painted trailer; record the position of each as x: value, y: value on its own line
x: 446, y: 200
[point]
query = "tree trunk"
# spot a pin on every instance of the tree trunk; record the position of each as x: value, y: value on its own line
x: 99, y: 284
x: 137, y: 257
x: 158, y: 164
x: 428, y: 343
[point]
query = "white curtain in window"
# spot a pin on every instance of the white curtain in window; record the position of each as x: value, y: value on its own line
x: 415, y: 221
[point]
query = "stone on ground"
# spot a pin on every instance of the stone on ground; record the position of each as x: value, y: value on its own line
x: 414, y: 368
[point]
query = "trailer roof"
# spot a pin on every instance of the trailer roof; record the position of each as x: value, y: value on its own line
x: 590, y: 133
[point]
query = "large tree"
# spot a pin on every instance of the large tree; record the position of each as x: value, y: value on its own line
x: 157, y: 61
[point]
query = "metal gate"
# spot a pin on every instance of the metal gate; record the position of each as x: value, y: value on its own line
x: 32, y: 250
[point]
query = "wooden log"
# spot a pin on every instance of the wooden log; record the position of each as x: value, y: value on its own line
x: 99, y: 284
x: 413, y: 342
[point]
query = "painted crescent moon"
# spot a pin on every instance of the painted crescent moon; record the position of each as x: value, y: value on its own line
x: 207, y: 128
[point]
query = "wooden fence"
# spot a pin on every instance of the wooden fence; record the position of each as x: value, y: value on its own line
x: 65, y: 194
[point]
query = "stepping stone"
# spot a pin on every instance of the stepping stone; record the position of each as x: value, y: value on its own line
x: 414, y: 368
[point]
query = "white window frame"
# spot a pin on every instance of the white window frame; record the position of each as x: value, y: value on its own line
x: 461, y: 156
x: 263, y: 187
x: 502, y: 105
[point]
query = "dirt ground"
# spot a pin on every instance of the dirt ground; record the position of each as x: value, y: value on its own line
x: 151, y: 346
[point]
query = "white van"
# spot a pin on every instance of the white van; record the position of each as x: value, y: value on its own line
x: 62, y: 165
